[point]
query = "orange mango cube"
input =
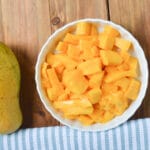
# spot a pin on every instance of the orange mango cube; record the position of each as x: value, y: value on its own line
x: 90, y: 66
x: 110, y: 31
x: 75, y: 81
x: 106, y: 42
x: 83, y: 28
x: 133, y: 89
x: 62, y: 46
x: 110, y: 57
x: 123, y: 44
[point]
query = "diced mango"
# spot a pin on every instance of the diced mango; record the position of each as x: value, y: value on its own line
x: 110, y: 69
x: 123, y: 44
x: 53, y: 60
x: 72, y: 117
x: 116, y: 75
x: 95, y: 51
x: 133, y: 63
x: 107, y: 117
x: 60, y: 59
x: 43, y: 70
x: 94, y: 30
x: 62, y: 46
x: 125, y: 55
x: 123, y: 83
x: 46, y: 83
x: 96, y: 80
x: 90, y: 66
x: 122, y: 106
x: 123, y: 67
x: 59, y: 69
x: 94, y: 95
x: 92, y: 78
x: 71, y: 39
x: 74, y: 107
x: 86, y: 46
x: 52, y: 93
x: 106, y: 42
x: 75, y: 81
x: 73, y: 51
x: 97, y: 115
x: 133, y: 89
x: 110, y: 31
x: 83, y: 28
x: 110, y: 57
x: 63, y: 96
x: 52, y: 76
x: 85, y: 120
x: 108, y: 88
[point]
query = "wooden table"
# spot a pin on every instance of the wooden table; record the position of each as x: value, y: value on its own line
x: 26, y: 24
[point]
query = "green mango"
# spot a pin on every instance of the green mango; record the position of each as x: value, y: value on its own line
x: 10, y: 112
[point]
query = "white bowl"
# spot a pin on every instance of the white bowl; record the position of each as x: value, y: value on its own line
x: 138, y: 52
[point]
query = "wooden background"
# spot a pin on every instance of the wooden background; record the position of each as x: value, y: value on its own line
x: 26, y: 24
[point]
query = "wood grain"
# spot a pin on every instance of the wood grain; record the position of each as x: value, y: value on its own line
x: 66, y: 11
x: 135, y: 16
x: 25, y: 26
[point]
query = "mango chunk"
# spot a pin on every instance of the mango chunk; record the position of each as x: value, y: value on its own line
x: 86, y: 46
x: 85, y: 120
x: 116, y: 75
x: 107, y: 117
x: 46, y: 83
x: 71, y: 117
x: 53, y: 60
x: 74, y: 107
x: 106, y: 42
x: 96, y: 80
x: 133, y: 89
x: 125, y: 55
x: 52, y: 93
x: 94, y: 30
x: 62, y: 46
x: 133, y: 63
x: 59, y: 69
x: 123, y: 83
x: 108, y: 88
x: 110, y: 31
x: 43, y: 70
x: 71, y: 39
x: 60, y: 59
x: 123, y: 44
x: 52, y: 76
x: 63, y: 96
x: 110, y: 57
x: 90, y: 66
x: 83, y: 28
x: 75, y: 81
x: 94, y: 51
x: 94, y: 95
x: 73, y: 51
x: 97, y: 114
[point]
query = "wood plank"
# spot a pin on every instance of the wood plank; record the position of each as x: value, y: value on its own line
x: 65, y: 11
x: 135, y: 16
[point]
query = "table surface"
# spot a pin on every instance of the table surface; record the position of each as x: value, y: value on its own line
x: 26, y: 25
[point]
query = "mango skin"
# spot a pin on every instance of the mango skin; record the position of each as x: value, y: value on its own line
x: 10, y: 113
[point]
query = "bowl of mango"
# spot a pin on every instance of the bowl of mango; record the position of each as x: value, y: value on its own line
x: 91, y: 75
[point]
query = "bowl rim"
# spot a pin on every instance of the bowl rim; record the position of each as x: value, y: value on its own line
x: 44, y: 99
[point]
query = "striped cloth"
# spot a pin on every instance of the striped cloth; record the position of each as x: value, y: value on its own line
x: 133, y: 135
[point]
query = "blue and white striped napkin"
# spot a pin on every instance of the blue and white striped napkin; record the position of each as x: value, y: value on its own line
x: 133, y: 135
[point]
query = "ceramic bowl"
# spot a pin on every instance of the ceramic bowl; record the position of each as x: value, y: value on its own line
x: 137, y: 52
